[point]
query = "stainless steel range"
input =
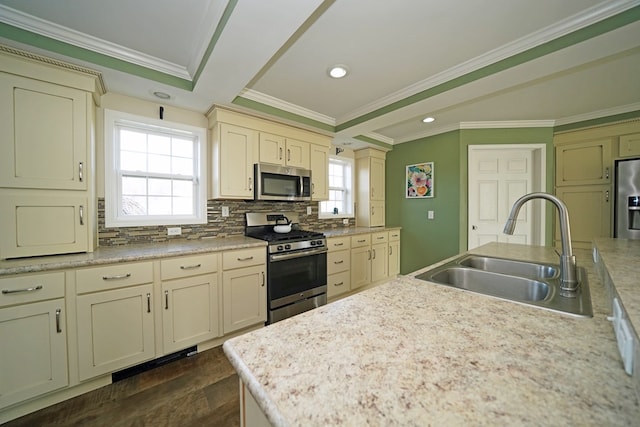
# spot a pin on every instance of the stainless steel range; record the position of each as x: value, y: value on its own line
x: 296, y: 264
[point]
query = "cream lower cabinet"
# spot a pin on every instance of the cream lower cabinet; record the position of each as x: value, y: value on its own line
x: 115, y: 317
x: 379, y: 256
x: 394, y: 253
x: 338, y: 266
x: 33, y: 340
x: 190, y: 301
x: 360, y: 260
x: 244, y: 288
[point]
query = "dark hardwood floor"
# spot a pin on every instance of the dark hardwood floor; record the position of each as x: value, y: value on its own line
x: 201, y: 390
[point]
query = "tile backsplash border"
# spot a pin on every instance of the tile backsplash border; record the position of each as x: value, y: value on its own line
x: 217, y: 225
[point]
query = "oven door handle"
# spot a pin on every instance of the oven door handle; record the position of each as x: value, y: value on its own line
x: 282, y: 257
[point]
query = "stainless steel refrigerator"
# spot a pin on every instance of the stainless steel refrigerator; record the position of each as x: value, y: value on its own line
x: 627, y: 203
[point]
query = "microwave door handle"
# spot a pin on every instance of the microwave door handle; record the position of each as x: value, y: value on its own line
x: 301, y: 190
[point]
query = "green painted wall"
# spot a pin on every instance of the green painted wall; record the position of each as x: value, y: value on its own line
x: 425, y: 242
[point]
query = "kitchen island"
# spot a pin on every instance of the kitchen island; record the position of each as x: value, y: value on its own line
x: 409, y: 352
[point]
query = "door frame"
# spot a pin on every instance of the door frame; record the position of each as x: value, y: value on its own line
x: 539, y: 183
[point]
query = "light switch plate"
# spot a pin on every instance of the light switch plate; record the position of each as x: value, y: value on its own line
x: 309, y: 210
x: 430, y: 214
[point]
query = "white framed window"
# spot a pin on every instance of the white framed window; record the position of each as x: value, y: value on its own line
x: 155, y: 172
x: 341, y: 187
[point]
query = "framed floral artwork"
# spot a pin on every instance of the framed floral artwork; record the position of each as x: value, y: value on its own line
x: 420, y: 180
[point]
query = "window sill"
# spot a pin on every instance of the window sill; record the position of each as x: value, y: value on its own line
x: 333, y: 216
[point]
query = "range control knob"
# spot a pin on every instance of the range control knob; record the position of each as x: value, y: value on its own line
x: 319, y: 243
x: 313, y: 243
x: 287, y: 246
x: 279, y: 247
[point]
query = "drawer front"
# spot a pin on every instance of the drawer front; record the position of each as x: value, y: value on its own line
x: 173, y: 268
x: 338, y: 243
x: 381, y: 237
x: 31, y: 288
x: 338, y: 261
x: 394, y: 235
x: 360, y: 240
x: 338, y: 284
x: 244, y: 258
x: 113, y: 277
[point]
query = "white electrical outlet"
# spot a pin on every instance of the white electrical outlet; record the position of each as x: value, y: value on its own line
x: 309, y: 210
x: 225, y: 211
x: 430, y: 214
x: 174, y: 231
x: 345, y: 221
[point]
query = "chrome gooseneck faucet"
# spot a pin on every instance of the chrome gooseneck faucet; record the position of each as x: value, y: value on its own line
x: 568, y: 274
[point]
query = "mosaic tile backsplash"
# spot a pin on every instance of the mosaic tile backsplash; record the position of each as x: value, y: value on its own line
x: 217, y: 225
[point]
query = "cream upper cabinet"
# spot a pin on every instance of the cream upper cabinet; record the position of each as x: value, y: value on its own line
x: 370, y: 184
x: 33, y: 334
x: 584, y: 163
x: 114, y: 310
x: 629, y: 145
x: 319, y: 164
x: 45, y: 135
x: 283, y: 151
x: 235, y: 150
x: 589, y: 209
x: 190, y: 301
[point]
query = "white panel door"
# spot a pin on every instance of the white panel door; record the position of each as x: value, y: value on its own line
x: 497, y: 178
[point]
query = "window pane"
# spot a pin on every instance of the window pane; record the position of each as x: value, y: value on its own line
x: 159, y: 205
x: 134, y: 186
x: 132, y: 161
x: 182, y: 166
x: 159, y: 187
x: 182, y: 147
x: 159, y: 163
x: 182, y: 206
x: 134, y: 205
x: 159, y: 144
x: 182, y: 188
x: 131, y: 140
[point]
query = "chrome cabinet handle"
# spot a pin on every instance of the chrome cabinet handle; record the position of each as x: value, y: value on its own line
x: 58, y: 327
x: 81, y: 171
x: 17, y: 291
x: 339, y: 244
x: 380, y: 237
x: 313, y: 188
x: 369, y: 254
x: 374, y: 254
x: 373, y: 210
x: 81, y: 212
x: 249, y: 258
x: 288, y: 155
x: 338, y: 284
x: 338, y: 262
x: 117, y: 277
x: 148, y: 303
x: 166, y: 300
x: 280, y: 155
x: 373, y: 192
x: 362, y: 241
x: 262, y: 279
x: 390, y: 250
x: 250, y: 184
x: 190, y: 267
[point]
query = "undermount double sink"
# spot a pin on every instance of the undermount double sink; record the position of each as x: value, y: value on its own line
x: 523, y: 282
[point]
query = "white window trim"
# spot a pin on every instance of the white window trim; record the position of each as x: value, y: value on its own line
x: 112, y: 219
x: 324, y: 215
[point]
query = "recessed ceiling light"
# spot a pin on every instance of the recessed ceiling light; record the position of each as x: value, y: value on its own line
x: 428, y: 119
x: 161, y: 95
x: 338, y: 71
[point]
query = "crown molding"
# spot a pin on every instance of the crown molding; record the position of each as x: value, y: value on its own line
x: 508, y: 124
x: 379, y: 137
x: 54, y: 31
x: 286, y: 106
x: 598, y: 114
x: 580, y: 20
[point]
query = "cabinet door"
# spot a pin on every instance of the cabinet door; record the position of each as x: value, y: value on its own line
x: 189, y: 311
x: 377, y: 214
x: 44, y: 135
x: 33, y: 352
x: 297, y: 154
x: 115, y: 330
x: 379, y: 262
x: 272, y: 149
x: 360, y: 266
x: 629, y: 145
x: 377, y: 179
x: 319, y: 164
x: 338, y: 284
x: 589, y: 213
x: 238, y: 153
x: 43, y: 225
x: 394, y: 258
x: 244, y: 295
x: 583, y: 163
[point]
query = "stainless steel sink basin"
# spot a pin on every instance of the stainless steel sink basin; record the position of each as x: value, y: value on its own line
x: 510, y: 266
x: 527, y: 283
x: 499, y: 285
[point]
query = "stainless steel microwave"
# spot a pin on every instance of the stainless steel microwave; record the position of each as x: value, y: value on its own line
x: 274, y: 182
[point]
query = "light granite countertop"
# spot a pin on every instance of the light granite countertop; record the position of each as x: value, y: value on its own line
x: 126, y: 253
x: 413, y: 353
x: 354, y: 231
